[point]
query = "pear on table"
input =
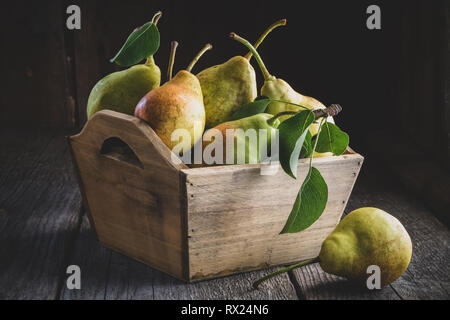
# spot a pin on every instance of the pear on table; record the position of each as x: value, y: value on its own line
x: 178, y: 104
x: 121, y: 91
x: 230, y: 85
x: 365, y: 237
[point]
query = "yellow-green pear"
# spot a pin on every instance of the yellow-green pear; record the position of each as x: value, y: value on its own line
x: 121, y: 91
x: 365, y: 237
x: 280, y: 92
x: 245, y: 134
x: 230, y: 85
x: 178, y: 104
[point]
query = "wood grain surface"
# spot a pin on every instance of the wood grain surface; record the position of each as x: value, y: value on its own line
x: 136, y: 209
x: 235, y: 215
x: 44, y: 230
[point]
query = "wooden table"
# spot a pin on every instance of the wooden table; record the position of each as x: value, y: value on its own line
x: 43, y: 230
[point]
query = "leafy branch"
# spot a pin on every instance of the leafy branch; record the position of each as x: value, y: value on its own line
x: 297, y: 141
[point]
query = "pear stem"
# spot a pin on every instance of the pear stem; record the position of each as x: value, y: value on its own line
x: 279, y: 23
x: 150, y: 60
x: 283, y: 270
x: 265, y: 72
x: 156, y: 18
x: 331, y: 111
x: 173, y: 50
x: 191, y: 65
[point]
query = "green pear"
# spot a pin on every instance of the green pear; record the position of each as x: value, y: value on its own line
x: 365, y: 237
x: 178, y: 104
x: 283, y: 97
x: 226, y: 87
x: 230, y: 85
x: 243, y: 144
x: 121, y: 91
x: 278, y: 89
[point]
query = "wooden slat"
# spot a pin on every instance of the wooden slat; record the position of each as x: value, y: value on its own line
x: 136, y: 210
x: 110, y: 275
x: 418, y: 174
x: 236, y: 215
x: 40, y: 210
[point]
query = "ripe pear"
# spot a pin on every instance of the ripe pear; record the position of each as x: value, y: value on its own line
x: 281, y: 92
x: 365, y: 237
x: 230, y: 85
x: 121, y: 91
x: 256, y: 122
x: 178, y: 104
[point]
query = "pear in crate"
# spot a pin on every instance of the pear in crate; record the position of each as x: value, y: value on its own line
x: 245, y: 150
x: 230, y: 85
x: 288, y: 98
x: 178, y: 104
x: 121, y: 91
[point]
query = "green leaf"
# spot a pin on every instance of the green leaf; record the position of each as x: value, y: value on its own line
x: 307, y: 148
x: 310, y: 203
x: 141, y: 44
x: 292, y: 133
x: 332, y: 139
x: 252, y: 108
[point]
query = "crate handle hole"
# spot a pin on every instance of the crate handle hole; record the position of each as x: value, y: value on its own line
x: 116, y: 149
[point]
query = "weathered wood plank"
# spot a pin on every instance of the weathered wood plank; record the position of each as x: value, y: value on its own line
x: 40, y: 208
x: 110, y: 275
x: 38, y: 224
x: 235, y: 215
x: 428, y: 276
x: 136, y: 209
x: 315, y: 284
x: 409, y: 165
x: 93, y: 260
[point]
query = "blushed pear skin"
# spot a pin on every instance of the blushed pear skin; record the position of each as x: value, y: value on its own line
x: 365, y: 237
x: 178, y: 104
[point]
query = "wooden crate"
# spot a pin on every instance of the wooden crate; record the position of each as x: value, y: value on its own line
x: 201, y: 223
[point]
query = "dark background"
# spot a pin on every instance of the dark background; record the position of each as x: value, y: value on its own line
x: 392, y: 83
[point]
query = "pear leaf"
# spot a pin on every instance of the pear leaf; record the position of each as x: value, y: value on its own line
x: 307, y: 148
x: 332, y: 139
x: 292, y: 133
x: 309, y: 204
x: 142, y: 43
x: 252, y: 108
